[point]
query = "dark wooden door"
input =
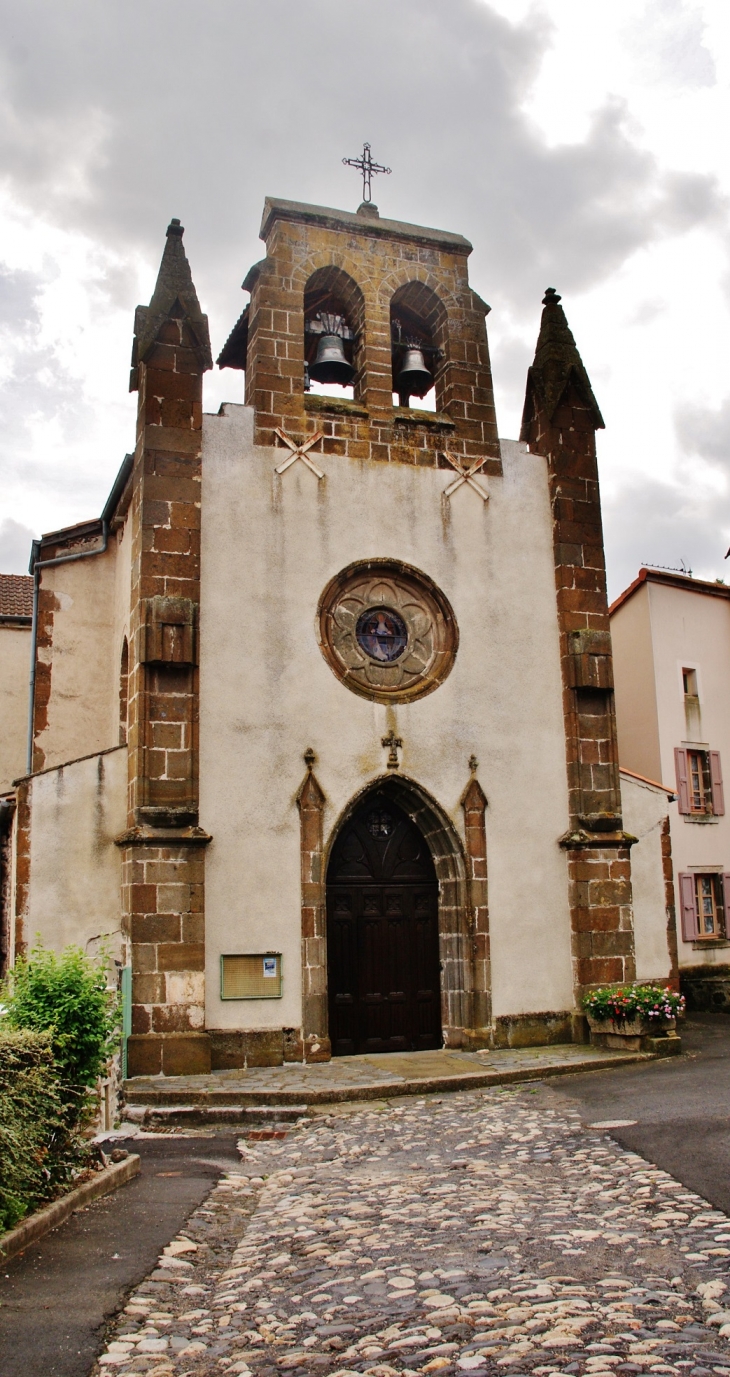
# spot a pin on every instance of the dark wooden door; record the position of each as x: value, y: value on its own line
x: 382, y: 935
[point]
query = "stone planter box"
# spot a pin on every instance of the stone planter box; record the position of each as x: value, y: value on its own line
x: 630, y: 1035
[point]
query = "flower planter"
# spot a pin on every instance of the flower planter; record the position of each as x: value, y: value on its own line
x: 630, y: 1034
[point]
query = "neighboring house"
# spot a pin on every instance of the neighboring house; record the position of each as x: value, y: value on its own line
x: 323, y: 719
x: 16, y: 607
x: 671, y: 643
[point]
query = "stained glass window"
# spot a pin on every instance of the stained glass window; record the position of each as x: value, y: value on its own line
x: 382, y: 634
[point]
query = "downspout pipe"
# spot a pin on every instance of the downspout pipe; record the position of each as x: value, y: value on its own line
x: 36, y: 568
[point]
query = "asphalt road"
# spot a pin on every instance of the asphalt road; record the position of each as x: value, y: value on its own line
x: 56, y: 1298
x: 681, y: 1107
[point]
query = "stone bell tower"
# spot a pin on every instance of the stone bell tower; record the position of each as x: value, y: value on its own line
x: 387, y: 284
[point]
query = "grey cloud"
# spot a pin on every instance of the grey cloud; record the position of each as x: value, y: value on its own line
x: 15, y: 541
x: 706, y: 432
x: 658, y: 523
x: 123, y: 114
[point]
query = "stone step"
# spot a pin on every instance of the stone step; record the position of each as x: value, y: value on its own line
x: 187, y: 1115
x: 253, y: 1097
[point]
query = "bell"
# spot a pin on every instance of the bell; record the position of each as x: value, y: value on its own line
x: 414, y: 379
x: 330, y: 365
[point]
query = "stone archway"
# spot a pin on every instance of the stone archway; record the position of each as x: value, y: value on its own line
x: 463, y: 923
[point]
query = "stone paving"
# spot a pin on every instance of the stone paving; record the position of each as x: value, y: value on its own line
x: 472, y: 1232
x: 386, y: 1074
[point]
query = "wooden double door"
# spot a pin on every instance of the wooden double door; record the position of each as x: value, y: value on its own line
x: 382, y: 935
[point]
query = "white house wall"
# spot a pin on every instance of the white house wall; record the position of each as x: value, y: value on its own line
x: 75, y: 871
x: 644, y: 810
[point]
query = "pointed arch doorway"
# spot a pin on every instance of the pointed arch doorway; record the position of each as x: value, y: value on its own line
x: 382, y: 934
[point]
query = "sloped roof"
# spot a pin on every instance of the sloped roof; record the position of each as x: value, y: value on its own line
x: 16, y: 595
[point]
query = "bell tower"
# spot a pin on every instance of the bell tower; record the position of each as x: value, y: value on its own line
x: 379, y: 307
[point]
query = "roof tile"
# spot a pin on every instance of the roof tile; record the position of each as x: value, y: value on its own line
x: 16, y: 595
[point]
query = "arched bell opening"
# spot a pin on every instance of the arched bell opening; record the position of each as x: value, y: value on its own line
x: 334, y: 310
x: 418, y: 347
x: 399, y: 947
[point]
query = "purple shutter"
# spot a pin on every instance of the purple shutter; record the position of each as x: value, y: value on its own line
x: 726, y: 901
x: 680, y: 765
x: 688, y: 906
x: 718, y: 795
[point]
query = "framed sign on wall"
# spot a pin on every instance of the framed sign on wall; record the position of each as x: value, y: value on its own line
x: 255, y: 975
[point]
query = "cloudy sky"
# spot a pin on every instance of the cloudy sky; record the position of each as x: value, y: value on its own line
x: 578, y: 145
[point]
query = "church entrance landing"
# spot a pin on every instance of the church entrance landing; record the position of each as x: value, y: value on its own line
x: 382, y: 935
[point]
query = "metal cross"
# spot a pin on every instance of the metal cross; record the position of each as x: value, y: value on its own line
x: 299, y: 452
x: 465, y: 476
x: 394, y: 744
x: 367, y: 167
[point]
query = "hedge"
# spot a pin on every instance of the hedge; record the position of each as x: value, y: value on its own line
x: 58, y: 1027
x: 40, y: 1149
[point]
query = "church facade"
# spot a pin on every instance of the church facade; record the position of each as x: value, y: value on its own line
x: 323, y: 724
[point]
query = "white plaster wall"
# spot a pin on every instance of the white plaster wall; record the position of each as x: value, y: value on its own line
x: 75, y: 869
x: 270, y: 544
x: 14, y: 680
x: 692, y: 630
x: 644, y: 810
x: 83, y: 712
x: 637, y: 723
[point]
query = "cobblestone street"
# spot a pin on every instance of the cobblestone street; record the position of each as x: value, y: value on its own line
x: 472, y: 1232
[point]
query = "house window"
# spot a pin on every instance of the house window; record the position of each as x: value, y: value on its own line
x: 700, y: 789
x: 699, y: 782
x: 691, y: 705
x: 704, y: 902
x: 708, y: 908
x: 689, y: 680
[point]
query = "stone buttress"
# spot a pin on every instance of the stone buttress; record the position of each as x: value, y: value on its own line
x: 559, y: 421
x: 164, y: 848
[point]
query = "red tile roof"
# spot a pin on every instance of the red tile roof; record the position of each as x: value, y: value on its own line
x: 16, y: 595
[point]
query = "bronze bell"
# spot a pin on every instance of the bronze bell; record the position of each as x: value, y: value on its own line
x: 331, y: 365
x: 414, y: 379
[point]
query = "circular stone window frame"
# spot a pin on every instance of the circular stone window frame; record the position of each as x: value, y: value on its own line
x: 433, y: 632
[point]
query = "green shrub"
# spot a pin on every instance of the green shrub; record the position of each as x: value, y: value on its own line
x: 65, y: 995
x: 39, y: 1149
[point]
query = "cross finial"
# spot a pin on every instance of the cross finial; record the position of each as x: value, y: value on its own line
x: 393, y: 745
x: 367, y: 167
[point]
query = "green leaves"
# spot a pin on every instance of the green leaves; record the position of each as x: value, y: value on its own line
x: 66, y: 996
x: 59, y: 1027
x: 39, y: 1149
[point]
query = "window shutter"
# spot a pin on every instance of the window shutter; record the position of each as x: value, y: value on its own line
x: 726, y: 901
x: 688, y: 905
x: 718, y: 794
x: 680, y: 764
